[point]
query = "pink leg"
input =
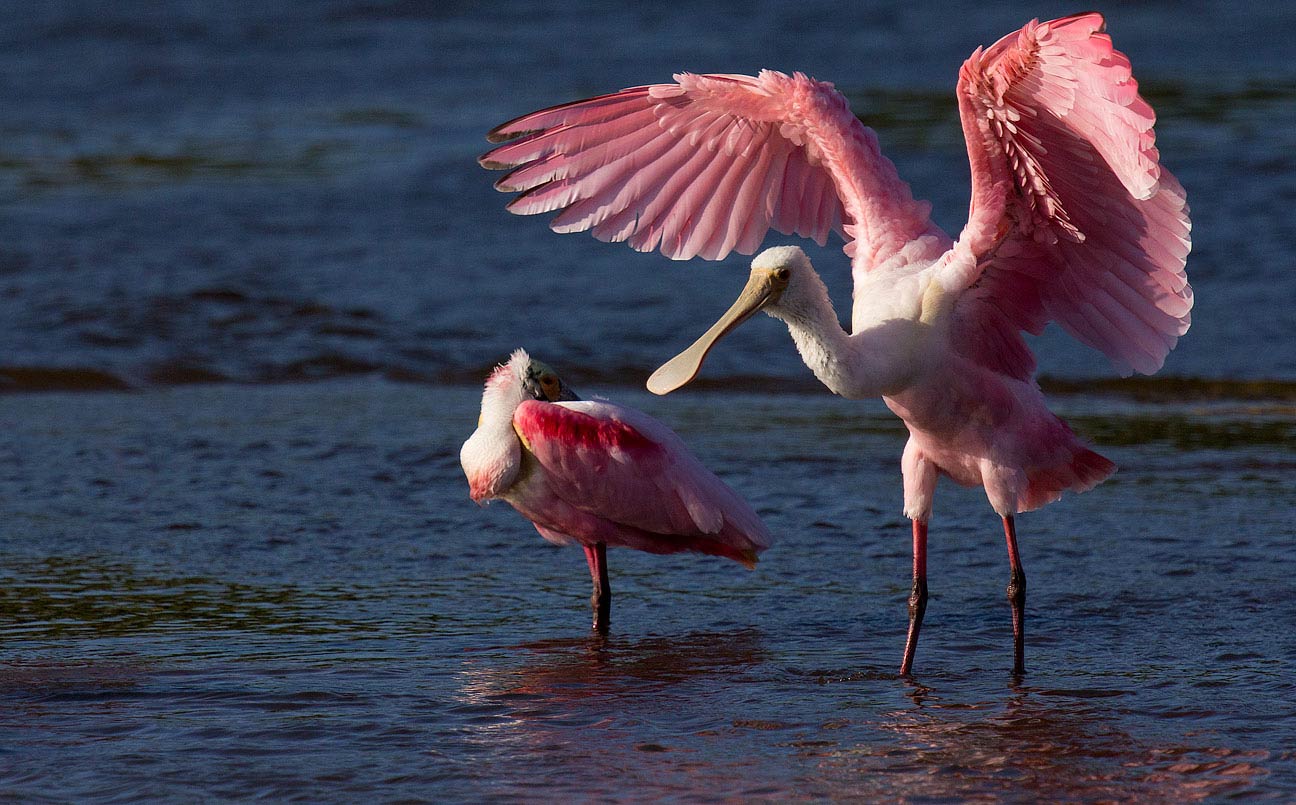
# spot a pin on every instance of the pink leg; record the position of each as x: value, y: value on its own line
x: 1016, y: 596
x: 917, y: 596
x: 601, y: 600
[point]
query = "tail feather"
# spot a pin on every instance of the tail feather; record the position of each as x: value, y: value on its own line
x: 1083, y: 472
x: 744, y: 553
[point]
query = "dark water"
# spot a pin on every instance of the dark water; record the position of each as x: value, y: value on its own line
x: 283, y: 591
x: 264, y: 587
x: 287, y: 191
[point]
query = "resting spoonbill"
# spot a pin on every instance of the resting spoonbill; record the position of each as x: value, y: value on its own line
x: 1072, y: 220
x: 598, y: 474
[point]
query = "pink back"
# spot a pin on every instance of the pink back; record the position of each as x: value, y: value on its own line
x: 623, y: 466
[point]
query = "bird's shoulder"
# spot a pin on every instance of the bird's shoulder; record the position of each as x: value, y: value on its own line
x: 590, y: 425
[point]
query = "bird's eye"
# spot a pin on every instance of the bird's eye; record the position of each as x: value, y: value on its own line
x: 784, y: 274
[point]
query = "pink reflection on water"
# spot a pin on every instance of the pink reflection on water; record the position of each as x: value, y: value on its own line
x: 1042, y: 746
x: 589, y: 715
x: 669, y: 716
x: 567, y: 669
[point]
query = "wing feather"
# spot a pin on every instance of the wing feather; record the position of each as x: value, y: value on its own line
x: 707, y: 166
x: 623, y: 466
x: 1071, y: 214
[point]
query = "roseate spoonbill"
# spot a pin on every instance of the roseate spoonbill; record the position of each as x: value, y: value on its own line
x: 1072, y: 220
x: 598, y: 474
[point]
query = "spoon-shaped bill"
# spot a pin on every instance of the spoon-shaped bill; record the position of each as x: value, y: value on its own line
x: 763, y: 287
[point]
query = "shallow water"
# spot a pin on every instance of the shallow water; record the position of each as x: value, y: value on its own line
x: 258, y: 586
x: 284, y: 592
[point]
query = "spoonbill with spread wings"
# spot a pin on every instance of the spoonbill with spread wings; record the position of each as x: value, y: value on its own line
x: 1072, y: 220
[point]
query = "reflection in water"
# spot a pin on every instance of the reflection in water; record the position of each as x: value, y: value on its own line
x: 1038, y: 745
x: 562, y: 714
x: 290, y: 608
x: 565, y: 713
x: 571, y: 669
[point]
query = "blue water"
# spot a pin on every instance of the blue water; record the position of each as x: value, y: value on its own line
x: 220, y: 578
x: 290, y: 191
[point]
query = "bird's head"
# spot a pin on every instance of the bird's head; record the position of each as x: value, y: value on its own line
x: 524, y: 377
x: 521, y: 378
x: 782, y: 283
x: 543, y: 383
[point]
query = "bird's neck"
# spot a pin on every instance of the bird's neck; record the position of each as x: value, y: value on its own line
x: 873, y: 362
x: 492, y: 456
x: 501, y: 398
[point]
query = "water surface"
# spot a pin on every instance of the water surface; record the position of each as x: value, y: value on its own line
x: 219, y: 579
x: 284, y: 591
x: 290, y: 191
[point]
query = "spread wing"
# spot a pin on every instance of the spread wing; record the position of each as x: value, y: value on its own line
x: 706, y: 166
x: 1072, y: 218
x: 624, y: 466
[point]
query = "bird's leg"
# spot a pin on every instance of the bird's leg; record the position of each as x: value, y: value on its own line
x: 917, y: 595
x: 601, y: 600
x: 1016, y: 595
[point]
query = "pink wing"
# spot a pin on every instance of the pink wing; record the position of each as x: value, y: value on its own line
x: 1072, y: 218
x: 624, y: 466
x: 707, y: 166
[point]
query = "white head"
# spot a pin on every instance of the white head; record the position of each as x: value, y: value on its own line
x: 492, y: 455
x: 521, y: 378
x: 782, y: 283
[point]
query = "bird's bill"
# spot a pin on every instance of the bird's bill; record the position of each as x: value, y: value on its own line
x: 762, y: 288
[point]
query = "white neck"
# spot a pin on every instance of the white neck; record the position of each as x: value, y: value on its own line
x: 492, y: 456
x: 499, y: 401
x: 875, y: 361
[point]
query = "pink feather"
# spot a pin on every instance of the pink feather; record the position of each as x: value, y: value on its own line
x: 706, y: 166
x: 1063, y: 157
x: 623, y: 478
